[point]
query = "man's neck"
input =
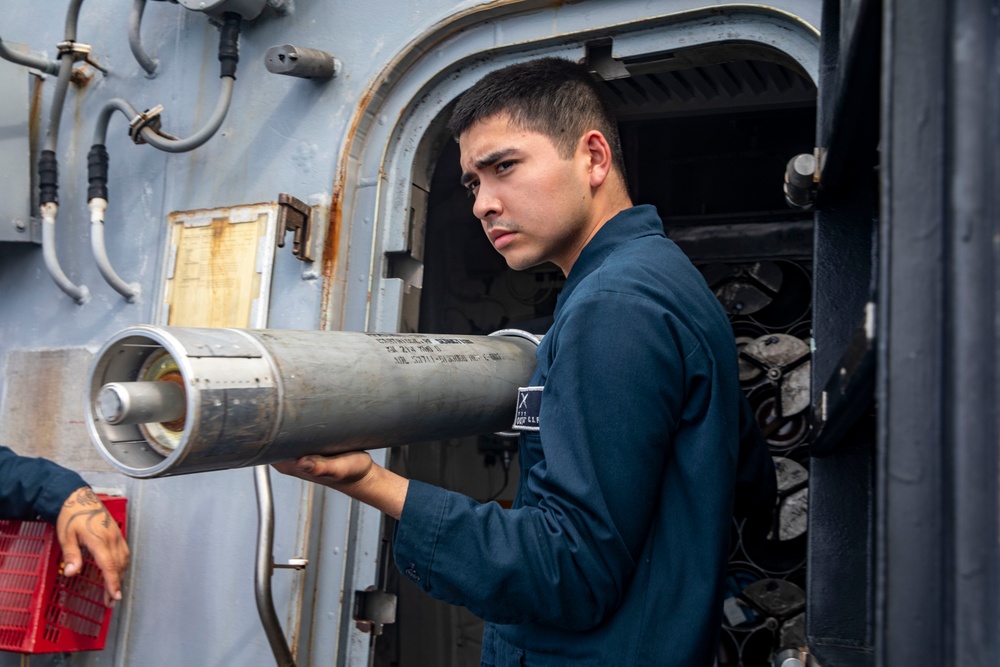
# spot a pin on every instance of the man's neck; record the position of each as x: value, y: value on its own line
x: 608, y: 202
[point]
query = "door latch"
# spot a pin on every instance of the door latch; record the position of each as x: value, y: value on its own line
x: 373, y: 609
x: 295, y: 216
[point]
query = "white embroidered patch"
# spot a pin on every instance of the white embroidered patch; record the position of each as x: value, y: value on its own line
x: 529, y: 403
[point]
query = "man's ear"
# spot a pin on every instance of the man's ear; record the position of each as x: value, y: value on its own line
x: 598, y: 156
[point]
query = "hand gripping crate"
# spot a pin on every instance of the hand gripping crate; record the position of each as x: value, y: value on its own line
x: 41, y: 611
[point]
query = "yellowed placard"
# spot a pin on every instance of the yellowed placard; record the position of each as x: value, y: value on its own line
x: 216, y: 278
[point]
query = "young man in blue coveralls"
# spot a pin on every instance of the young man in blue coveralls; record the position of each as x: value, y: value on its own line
x: 614, y: 552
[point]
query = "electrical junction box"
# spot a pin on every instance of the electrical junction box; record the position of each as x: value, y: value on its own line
x: 248, y: 9
x: 15, y: 152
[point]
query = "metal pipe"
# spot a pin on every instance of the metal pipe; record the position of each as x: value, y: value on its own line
x: 201, y: 136
x: 78, y: 293
x: 104, y: 117
x: 62, y: 83
x: 29, y: 60
x: 72, y: 19
x: 265, y: 568
x: 261, y: 396
x: 99, y: 249
x: 135, y: 38
x: 48, y: 187
x: 97, y: 197
x: 229, y: 55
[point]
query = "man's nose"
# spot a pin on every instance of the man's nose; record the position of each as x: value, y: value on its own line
x: 487, y: 204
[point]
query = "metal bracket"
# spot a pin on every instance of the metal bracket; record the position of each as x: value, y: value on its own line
x: 81, y: 53
x: 149, y: 118
x: 802, y: 181
x: 79, y: 50
x: 295, y: 216
x: 373, y: 609
x: 849, y: 391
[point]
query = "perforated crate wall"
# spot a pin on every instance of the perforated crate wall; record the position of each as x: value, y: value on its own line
x: 41, y: 611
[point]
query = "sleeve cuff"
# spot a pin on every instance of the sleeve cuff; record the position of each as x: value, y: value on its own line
x: 417, y: 532
x: 57, y: 489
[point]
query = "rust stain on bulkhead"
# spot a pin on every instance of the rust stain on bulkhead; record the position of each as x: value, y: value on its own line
x: 336, y: 217
x: 331, y: 248
x: 35, y: 116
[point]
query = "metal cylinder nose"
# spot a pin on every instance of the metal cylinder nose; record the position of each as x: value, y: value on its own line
x: 140, y: 402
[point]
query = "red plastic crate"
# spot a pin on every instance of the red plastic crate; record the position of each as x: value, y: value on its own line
x: 41, y: 611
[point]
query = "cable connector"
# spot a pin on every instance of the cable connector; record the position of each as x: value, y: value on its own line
x: 97, y: 173
x: 48, y: 178
x: 149, y: 118
x: 229, y: 44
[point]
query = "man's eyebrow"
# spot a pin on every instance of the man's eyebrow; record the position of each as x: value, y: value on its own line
x: 486, y: 161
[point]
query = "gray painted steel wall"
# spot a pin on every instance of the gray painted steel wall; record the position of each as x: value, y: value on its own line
x: 350, y: 142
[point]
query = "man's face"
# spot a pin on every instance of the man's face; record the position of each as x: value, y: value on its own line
x: 535, y: 206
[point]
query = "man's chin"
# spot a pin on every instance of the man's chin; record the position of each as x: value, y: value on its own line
x: 522, y: 263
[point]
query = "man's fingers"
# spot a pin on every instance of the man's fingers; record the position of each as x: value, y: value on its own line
x: 112, y: 581
x: 71, y: 564
x: 112, y: 558
x: 313, y: 465
x: 334, y: 471
x: 310, y: 466
x: 339, y: 468
x: 72, y: 560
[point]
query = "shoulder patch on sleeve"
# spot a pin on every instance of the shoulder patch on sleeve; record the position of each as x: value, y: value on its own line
x: 529, y: 403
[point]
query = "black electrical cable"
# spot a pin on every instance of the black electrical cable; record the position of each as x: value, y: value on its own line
x: 505, y: 463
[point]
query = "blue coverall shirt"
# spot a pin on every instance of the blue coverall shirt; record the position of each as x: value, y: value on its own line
x: 614, y: 552
x: 32, y: 488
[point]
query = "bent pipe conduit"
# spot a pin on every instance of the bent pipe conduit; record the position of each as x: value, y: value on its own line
x: 29, y: 60
x: 229, y: 55
x: 48, y: 185
x: 265, y: 568
x: 173, y: 145
x: 135, y: 38
x: 97, y: 160
x: 97, y: 197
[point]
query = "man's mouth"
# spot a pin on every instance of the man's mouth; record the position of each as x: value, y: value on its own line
x: 500, y: 237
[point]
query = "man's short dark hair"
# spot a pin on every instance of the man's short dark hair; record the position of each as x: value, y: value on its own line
x: 551, y: 96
